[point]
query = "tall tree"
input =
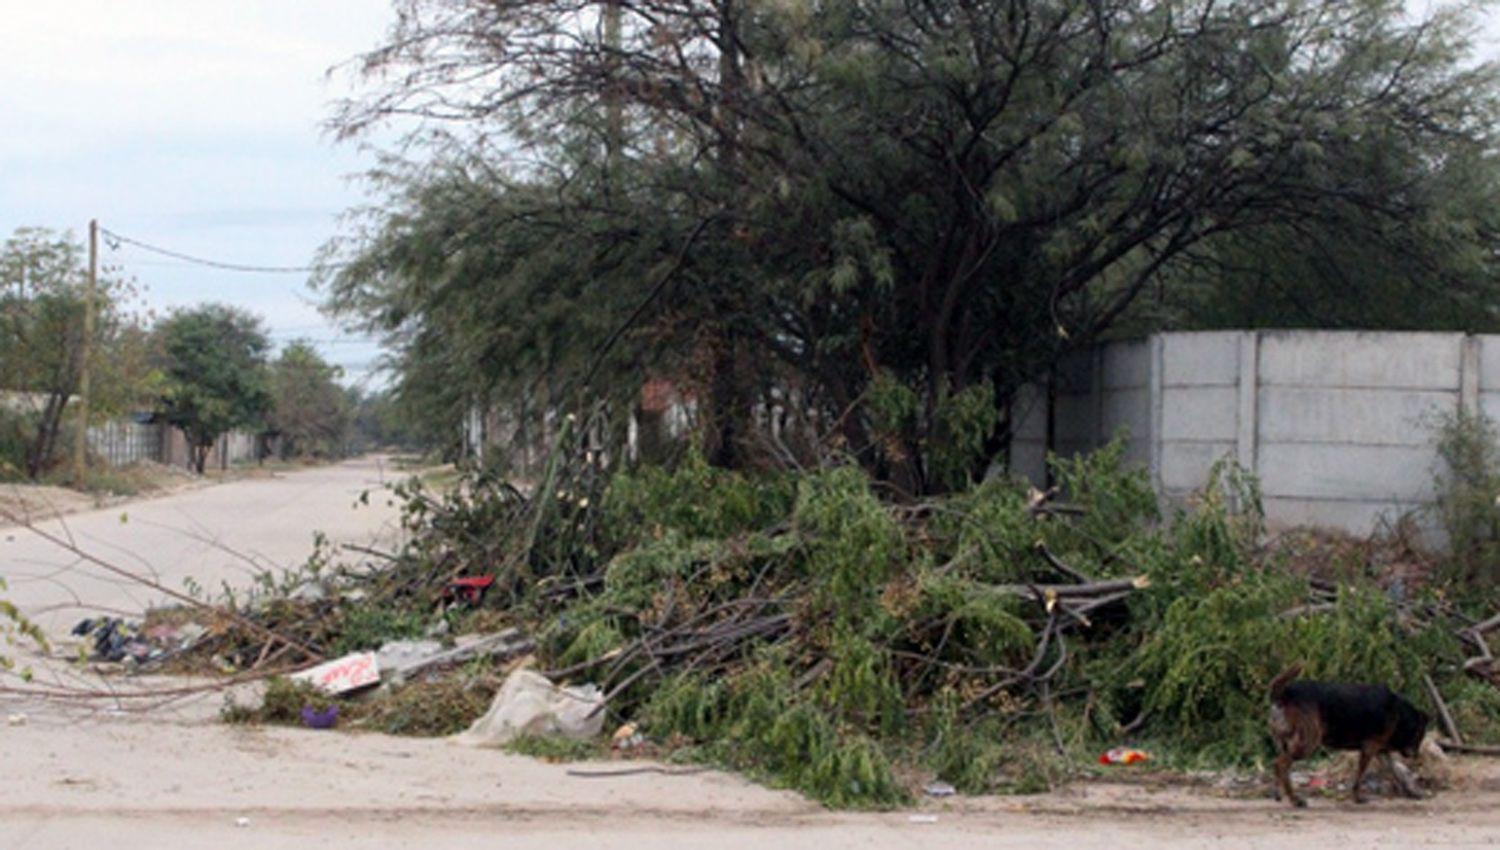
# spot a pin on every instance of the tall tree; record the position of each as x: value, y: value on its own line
x: 41, y: 335
x: 309, y: 410
x: 909, y: 208
x: 214, y: 362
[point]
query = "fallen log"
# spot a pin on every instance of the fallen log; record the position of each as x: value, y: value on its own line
x: 1472, y: 749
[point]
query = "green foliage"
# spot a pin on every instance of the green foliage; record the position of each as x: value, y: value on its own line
x: 308, y: 409
x: 694, y: 500
x: 215, y: 368
x: 981, y: 219
x: 14, y: 626
x: 965, y: 421
x: 1468, y: 497
x: 368, y: 626
x: 554, y: 749
x: 752, y: 722
x: 43, y: 293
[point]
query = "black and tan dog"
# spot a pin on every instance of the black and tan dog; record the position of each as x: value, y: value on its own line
x: 1372, y: 719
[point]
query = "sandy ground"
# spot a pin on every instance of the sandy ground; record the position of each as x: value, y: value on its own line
x: 88, y: 774
x: 80, y: 780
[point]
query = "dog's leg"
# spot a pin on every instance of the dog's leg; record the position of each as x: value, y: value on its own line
x: 1284, y: 778
x: 1355, y: 793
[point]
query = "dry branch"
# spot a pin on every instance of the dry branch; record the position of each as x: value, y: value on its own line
x: 1442, y: 709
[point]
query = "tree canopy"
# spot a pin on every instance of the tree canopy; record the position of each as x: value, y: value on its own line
x: 309, y: 410
x: 214, y: 361
x: 882, y: 218
x: 42, y: 291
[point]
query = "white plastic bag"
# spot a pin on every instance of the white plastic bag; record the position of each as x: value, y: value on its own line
x: 529, y: 704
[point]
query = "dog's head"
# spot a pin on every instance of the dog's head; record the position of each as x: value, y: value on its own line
x: 1411, y: 727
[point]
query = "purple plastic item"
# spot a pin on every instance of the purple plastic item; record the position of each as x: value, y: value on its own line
x: 324, y: 719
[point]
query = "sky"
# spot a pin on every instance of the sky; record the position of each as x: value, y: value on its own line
x: 194, y: 125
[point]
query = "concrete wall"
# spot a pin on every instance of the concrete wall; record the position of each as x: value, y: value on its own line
x: 1339, y: 426
x: 1098, y: 394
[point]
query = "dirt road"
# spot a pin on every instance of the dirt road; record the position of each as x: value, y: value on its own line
x: 212, y: 534
x: 72, y: 780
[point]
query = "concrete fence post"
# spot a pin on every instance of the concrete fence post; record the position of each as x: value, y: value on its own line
x: 1158, y: 346
x: 1247, y: 434
x: 1468, y: 374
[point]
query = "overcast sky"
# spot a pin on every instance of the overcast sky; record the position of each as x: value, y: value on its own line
x: 193, y: 125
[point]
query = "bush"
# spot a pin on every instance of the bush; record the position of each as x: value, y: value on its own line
x: 1467, y: 492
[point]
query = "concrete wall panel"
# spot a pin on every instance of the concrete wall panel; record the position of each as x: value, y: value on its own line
x: 1185, y: 466
x: 1362, y: 416
x: 1199, y: 413
x: 1357, y: 359
x: 1199, y: 359
x: 1285, y: 513
x: 1328, y: 471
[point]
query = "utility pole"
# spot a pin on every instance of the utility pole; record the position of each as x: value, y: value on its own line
x: 81, y: 444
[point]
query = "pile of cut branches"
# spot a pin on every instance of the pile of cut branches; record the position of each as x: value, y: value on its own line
x: 808, y: 630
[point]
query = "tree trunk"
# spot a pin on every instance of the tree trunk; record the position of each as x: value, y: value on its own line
x: 725, y: 407
x: 46, y: 435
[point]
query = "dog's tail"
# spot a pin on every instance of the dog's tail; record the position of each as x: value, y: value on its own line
x: 1278, y: 684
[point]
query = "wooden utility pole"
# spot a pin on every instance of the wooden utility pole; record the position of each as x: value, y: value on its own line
x: 81, y: 440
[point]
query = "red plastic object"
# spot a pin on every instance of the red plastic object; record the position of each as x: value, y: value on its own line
x: 1124, y: 755
x: 469, y: 589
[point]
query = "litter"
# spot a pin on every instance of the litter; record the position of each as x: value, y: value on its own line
x: 349, y: 673
x: 405, y: 659
x: 529, y: 704
x: 16, y: 720
x: 940, y: 789
x: 922, y: 819
x: 627, y: 737
x: 469, y: 589
x: 241, y: 821
x: 313, y: 718
x: 1124, y: 755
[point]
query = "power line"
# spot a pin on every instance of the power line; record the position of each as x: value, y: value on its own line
x: 117, y: 239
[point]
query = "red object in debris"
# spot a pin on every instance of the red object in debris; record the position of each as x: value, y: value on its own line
x: 1124, y: 755
x: 469, y: 589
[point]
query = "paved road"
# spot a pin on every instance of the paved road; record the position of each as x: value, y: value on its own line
x: 213, y: 535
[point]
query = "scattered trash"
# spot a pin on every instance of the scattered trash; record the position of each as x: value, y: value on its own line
x: 529, y: 704
x: 1124, y: 755
x: 405, y: 659
x: 124, y: 642
x: 16, y: 720
x: 396, y: 654
x: 922, y: 819
x: 341, y: 675
x: 469, y: 589
x: 241, y: 821
x: 940, y: 789
x: 627, y: 737
x: 313, y: 718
